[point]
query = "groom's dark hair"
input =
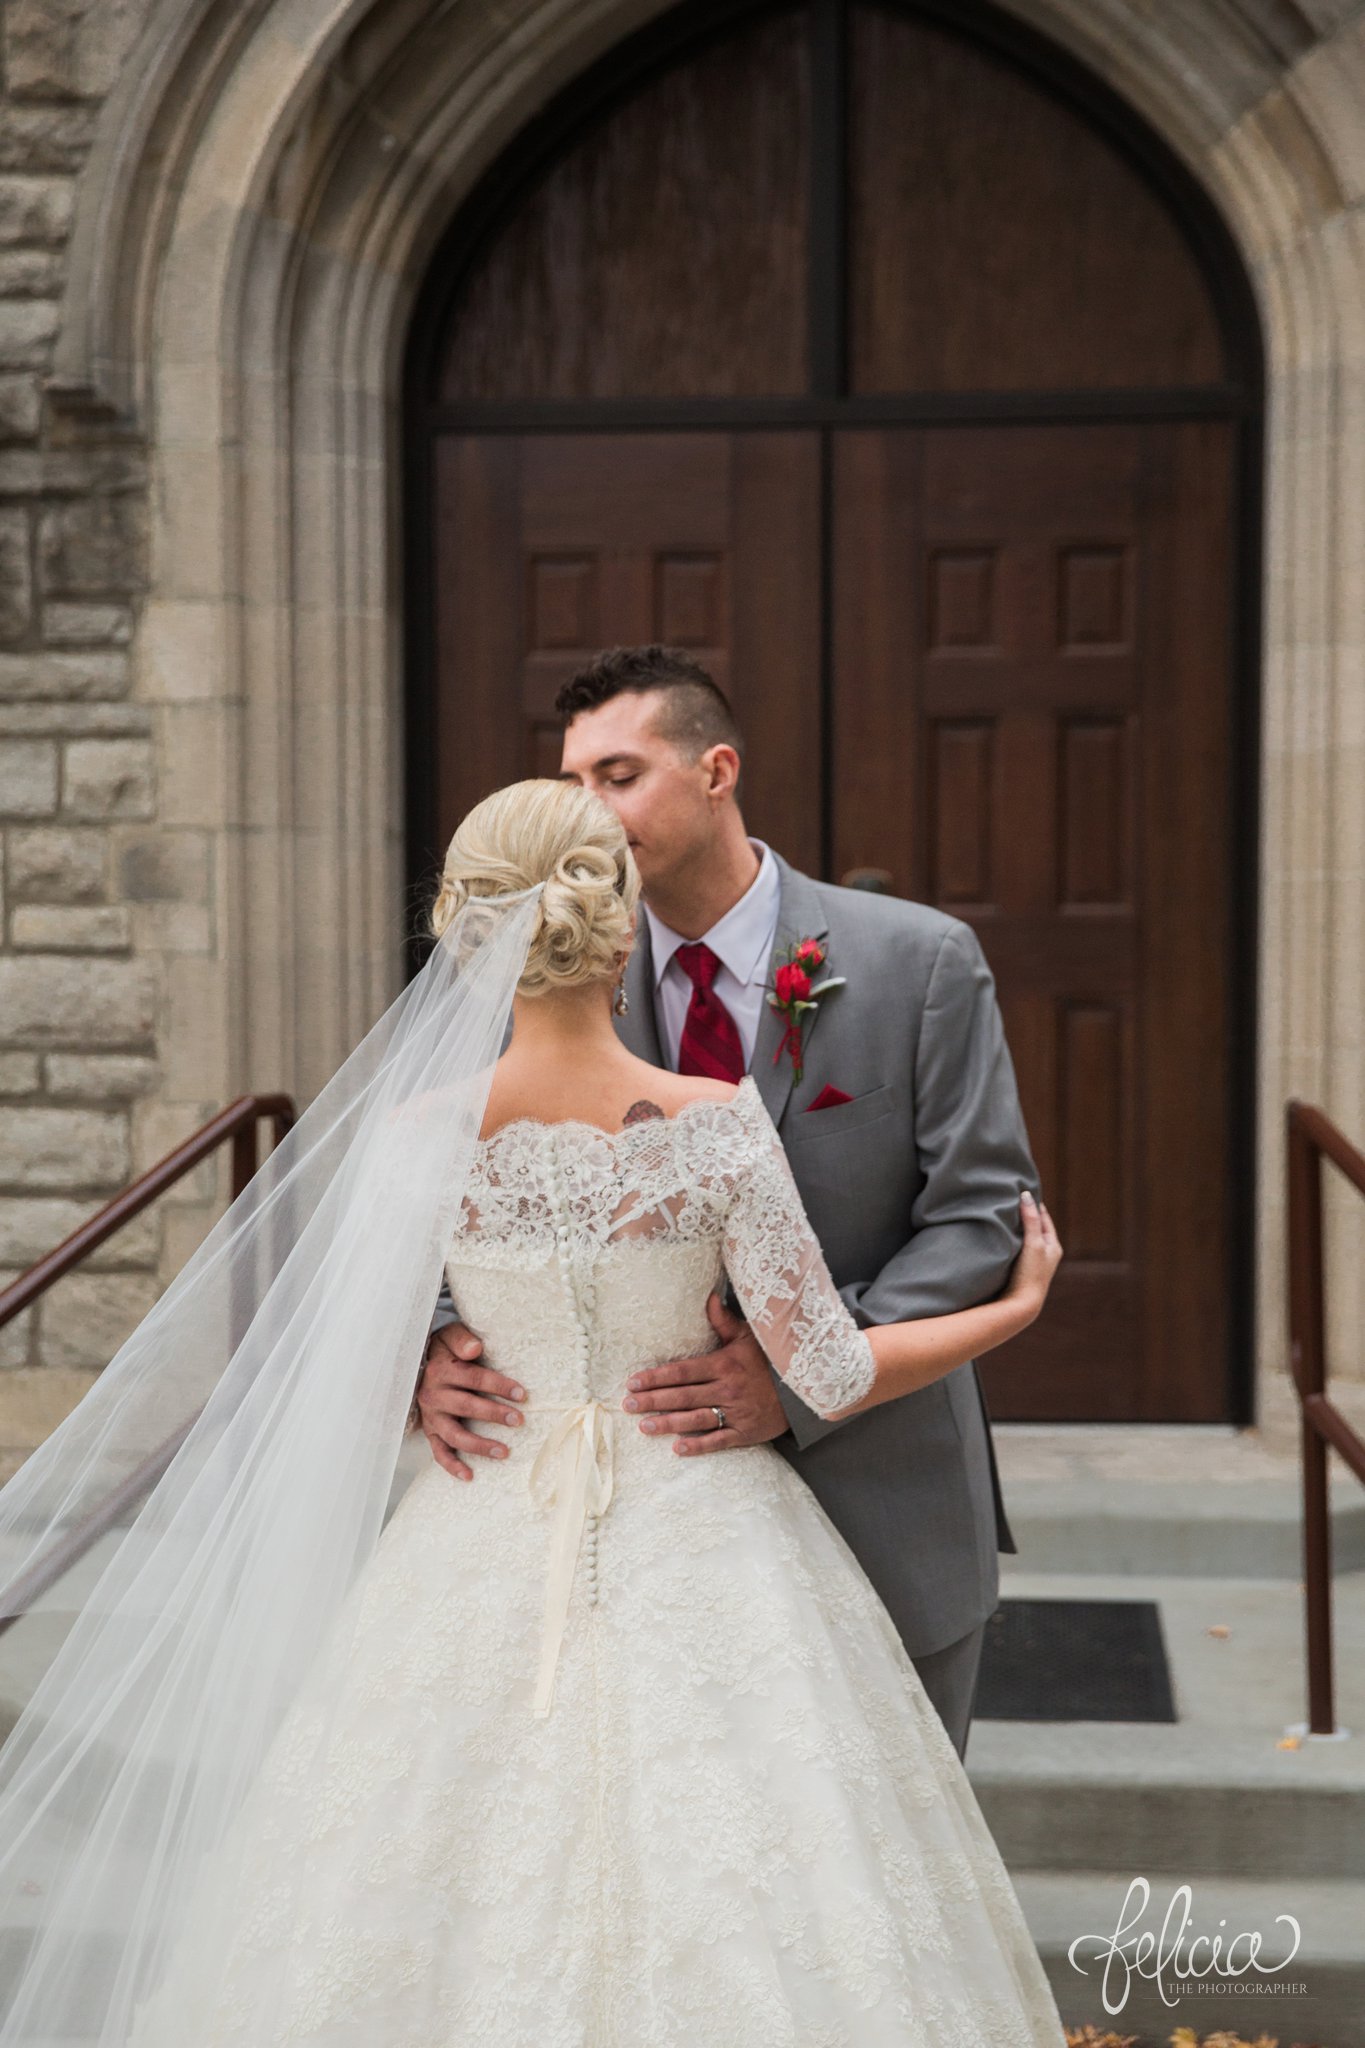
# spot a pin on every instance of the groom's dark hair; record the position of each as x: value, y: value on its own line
x: 694, y: 712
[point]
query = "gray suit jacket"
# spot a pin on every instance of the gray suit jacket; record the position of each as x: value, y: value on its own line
x: 913, y: 1191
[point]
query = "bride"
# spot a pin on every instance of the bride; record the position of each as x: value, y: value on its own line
x: 617, y: 1750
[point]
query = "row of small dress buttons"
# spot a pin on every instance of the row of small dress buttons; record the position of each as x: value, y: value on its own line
x: 582, y: 1289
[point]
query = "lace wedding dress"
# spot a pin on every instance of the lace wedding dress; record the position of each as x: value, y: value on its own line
x: 616, y: 1748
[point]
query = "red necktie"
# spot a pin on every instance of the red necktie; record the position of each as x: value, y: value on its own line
x: 710, y: 1041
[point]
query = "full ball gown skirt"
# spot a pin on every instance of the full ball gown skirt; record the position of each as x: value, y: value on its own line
x: 702, y: 1799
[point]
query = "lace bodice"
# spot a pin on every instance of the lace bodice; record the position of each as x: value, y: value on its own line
x: 582, y: 1254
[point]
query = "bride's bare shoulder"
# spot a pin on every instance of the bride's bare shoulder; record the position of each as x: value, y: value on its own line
x: 664, y: 1094
x: 707, y: 1090
x: 678, y: 1090
x: 645, y: 1091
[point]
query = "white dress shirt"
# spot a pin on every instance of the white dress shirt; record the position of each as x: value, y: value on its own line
x: 742, y: 942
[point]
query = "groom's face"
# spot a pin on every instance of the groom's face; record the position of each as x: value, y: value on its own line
x: 666, y: 803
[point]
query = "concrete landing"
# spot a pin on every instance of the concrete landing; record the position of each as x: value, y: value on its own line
x: 1205, y: 1522
x: 1206, y: 1500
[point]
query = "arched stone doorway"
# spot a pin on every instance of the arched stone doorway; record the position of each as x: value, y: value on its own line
x: 265, y: 193
x: 878, y: 355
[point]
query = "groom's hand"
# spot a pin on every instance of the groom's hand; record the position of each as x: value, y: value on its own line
x: 678, y: 1397
x: 455, y: 1390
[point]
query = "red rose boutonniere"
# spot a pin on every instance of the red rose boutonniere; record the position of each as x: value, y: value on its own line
x: 795, y: 990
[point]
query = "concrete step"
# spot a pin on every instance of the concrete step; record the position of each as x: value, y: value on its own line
x: 1200, y: 1501
x: 1319, y: 1997
x: 1246, y: 1533
x: 1212, y: 1792
x: 1075, y: 1796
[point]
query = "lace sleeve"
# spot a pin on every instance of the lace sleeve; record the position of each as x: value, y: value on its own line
x: 779, y: 1273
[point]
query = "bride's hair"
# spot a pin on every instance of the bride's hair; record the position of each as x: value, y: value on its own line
x: 559, y: 833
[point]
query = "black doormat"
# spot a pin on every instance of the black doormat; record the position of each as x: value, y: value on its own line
x: 1074, y: 1660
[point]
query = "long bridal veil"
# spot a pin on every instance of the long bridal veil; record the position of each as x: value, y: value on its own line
x: 286, y: 1352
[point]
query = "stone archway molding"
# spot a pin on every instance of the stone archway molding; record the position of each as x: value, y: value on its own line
x: 269, y: 180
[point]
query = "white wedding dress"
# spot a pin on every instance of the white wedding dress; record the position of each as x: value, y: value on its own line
x: 735, y: 1821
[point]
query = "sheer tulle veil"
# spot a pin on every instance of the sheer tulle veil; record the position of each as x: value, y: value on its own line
x: 289, y: 1343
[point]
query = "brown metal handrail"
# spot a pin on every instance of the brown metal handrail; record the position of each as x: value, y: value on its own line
x: 1311, y: 1136
x: 240, y: 1123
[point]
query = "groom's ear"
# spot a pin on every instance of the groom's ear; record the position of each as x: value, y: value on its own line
x: 723, y: 768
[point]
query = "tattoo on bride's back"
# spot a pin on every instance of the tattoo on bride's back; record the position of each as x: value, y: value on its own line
x: 638, y: 1111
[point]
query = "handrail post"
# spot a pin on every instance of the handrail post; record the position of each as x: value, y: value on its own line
x: 244, y: 1150
x: 1316, y: 1506
x: 1309, y: 1137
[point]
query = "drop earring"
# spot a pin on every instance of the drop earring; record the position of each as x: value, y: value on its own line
x: 621, y: 1001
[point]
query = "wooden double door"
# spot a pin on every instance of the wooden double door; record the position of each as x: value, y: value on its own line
x: 989, y: 664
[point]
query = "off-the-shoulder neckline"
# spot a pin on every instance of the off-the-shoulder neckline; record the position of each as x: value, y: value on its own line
x: 644, y: 1123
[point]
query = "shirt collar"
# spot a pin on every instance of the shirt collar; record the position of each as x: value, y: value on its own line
x: 742, y: 939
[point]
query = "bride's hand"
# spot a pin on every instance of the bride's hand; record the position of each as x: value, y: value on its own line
x: 1031, y: 1275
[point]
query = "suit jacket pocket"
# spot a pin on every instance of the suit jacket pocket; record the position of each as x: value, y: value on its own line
x: 806, y: 1127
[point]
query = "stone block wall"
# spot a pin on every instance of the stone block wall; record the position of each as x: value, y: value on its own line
x: 84, y: 874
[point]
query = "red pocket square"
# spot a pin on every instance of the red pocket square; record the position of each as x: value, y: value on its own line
x: 827, y: 1098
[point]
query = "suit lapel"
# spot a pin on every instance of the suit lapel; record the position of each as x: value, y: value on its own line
x: 799, y: 916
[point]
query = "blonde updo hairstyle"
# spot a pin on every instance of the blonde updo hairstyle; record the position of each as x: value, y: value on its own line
x: 545, y: 830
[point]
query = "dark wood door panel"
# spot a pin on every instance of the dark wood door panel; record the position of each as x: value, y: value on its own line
x: 998, y: 239
x: 552, y: 546
x: 664, y: 252
x: 1032, y: 682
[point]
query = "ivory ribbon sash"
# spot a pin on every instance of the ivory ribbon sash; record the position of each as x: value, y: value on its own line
x: 576, y: 1459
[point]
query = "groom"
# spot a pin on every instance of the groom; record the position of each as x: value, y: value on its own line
x: 904, y: 1136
